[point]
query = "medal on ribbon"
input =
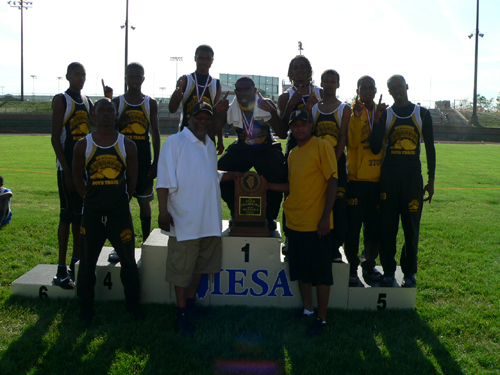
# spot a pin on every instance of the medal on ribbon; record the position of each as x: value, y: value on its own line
x: 248, y: 125
x: 200, y: 97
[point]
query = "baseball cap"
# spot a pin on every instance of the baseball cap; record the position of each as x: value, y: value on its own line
x: 299, y: 114
x: 201, y: 106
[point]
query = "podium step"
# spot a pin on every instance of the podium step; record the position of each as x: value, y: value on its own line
x: 38, y: 283
x: 108, y: 286
x: 254, y: 273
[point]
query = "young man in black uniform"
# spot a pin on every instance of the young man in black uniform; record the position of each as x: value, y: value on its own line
x: 403, y: 126
x: 70, y: 122
x: 197, y: 87
x: 105, y: 174
x: 253, y: 119
x: 330, y: 120
x: 302, y: 95
x: 138, y: 120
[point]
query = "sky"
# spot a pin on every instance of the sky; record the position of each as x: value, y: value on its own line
x: 424, y: 40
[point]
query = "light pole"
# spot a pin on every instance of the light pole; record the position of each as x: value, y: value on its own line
x: 125, y: 26
x: 300, y: 48
x: 21, y: 4
x: 58, y: 81
x: 34, y: 77
x: 2, y: 87
x: 176, y: 59
x: 163, y: 91
x: 474, y: 120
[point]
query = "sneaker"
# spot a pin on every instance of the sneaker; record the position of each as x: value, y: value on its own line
x: 64, y: 282
x: 113, y: 257
x: 409, y: 281
x: 71, y: 273
x: 301, y: 316
x: 354, y: 281
x: 386, y: 281
x: 184, y: 326
x: 373, y: 274
x: 317, y: 328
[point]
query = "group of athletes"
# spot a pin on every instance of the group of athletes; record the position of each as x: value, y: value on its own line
x: 345, y: 168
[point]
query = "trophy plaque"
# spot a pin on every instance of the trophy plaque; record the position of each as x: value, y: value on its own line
x: 249, y: 207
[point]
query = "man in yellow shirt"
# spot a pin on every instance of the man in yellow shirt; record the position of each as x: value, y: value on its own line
x: 312, y: 188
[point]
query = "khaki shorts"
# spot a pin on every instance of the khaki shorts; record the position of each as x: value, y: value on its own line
x: 186, y: 258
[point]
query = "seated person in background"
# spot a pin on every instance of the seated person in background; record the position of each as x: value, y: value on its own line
x: 5, y: 211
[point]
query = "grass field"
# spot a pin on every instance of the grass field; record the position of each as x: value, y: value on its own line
x: 455, y: 328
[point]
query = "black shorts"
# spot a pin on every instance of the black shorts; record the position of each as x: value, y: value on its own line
x: 71, y: 202
x: 144, y: 188
x: 310, y: 257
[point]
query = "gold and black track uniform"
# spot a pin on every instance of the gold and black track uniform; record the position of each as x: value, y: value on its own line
x: 327, y: 126
x: 197, y: 85
x: 137, y: 128
x: 76, y: 125
x: 400, y: 131
x: 363, y: 193
x: 290, y: 140
x: 106, y: 215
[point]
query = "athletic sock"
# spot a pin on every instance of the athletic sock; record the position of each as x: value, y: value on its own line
x: 146, y: 227
x: 61, y: 270
x: 308, y: 313
x: 72, y: 264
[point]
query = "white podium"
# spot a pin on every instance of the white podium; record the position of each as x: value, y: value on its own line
x: 253, y: 273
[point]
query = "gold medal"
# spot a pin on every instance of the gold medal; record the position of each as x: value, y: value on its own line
x: 249, y: 141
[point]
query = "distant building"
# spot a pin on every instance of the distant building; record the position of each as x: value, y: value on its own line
x: 268, y: 86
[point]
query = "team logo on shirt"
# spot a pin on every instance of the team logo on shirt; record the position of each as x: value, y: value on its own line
x: 105, y: 169
x: 413, y: 205
x: 340, y: 193
x: 138, y: 123
x: 126, y: 235
x: 404, y: 140
x: 79, y: 124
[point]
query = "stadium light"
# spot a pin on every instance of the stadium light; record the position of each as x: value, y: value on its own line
x: 34, y: 77
x: 125, y: 26
x: 21, y: 4
x: 176, y: 59
x: 474, y: 121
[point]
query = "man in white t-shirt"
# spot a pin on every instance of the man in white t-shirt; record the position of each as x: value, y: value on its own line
x: 190, y: 208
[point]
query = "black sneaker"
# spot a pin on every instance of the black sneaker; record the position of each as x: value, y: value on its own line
x: 354, y: 281
x: 301, y: 316
x: 183, y: 325
x: 409, y: 281
x: 317, y: 328
x: 71, y: 273
x: 386, y: 281
x: 64, y: 282
x: 372, y: 274
x: 113, y: 257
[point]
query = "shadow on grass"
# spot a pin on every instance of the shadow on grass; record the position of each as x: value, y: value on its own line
x: 262, y: 338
